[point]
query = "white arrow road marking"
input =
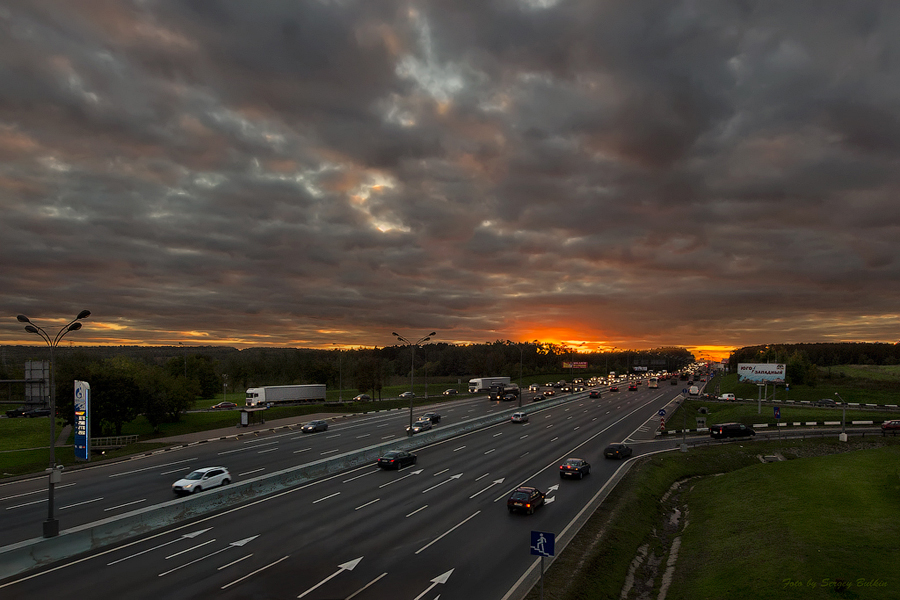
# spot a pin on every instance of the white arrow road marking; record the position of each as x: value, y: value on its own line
x: 236, y: 544
x: 347, y: 566
x: 434, y: 582
x: 410, y: 474
x: 187, y: 536
x: 495, y: 482
x: 452, y: 477
x: 553, y: 488
x: 550, y: 500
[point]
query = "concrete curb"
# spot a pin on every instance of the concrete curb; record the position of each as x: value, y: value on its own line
x: 35, y: 553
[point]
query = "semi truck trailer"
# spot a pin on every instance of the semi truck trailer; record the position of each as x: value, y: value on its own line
x: 285, y: 394
x: 484, y: 384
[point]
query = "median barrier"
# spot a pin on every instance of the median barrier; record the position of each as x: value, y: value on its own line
x: 31, y: 554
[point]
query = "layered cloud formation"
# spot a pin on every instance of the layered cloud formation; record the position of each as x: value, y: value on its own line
x: 629, y: 174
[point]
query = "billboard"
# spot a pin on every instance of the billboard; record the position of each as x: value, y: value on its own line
x: 761, y: 372
x: 575, y: 365
x: 82, y: 420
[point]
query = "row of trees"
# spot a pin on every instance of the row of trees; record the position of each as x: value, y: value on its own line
x: 802, y: 361
x: 162, y: 383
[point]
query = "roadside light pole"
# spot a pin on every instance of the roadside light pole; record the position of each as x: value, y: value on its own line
x: 843, y: 436
x: 340, y: 373
x: 51, y: 525
x: 412, y: 370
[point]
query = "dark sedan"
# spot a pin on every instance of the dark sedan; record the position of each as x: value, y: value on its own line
x: 525, y: 499
x: 614, y: 388
x: 397, y: 459
x: 617, y: 451
x: 575, y: 467
x: 431, y: 416
x: 223, y: 405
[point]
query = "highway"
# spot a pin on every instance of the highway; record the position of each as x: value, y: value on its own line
x: 439, y: 528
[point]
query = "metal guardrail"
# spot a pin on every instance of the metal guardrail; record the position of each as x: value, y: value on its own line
x: 116, y: 441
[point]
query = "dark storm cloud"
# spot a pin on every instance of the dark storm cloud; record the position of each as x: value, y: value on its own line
x: 696, y: 172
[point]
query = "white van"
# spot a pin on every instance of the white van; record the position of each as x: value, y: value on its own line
x: 693, y: 391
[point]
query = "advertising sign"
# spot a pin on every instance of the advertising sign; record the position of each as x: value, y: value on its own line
x: 82, y: 420
x: 575, y: 365
x: 761, y: 372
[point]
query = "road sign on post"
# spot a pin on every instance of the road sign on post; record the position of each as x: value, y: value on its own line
x: 777, y: 412
x: 543, y: 544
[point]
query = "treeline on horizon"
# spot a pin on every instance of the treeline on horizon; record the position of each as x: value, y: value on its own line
x: 803, y: 361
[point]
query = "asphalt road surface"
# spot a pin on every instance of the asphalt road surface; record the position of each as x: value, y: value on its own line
x: 439, y: 528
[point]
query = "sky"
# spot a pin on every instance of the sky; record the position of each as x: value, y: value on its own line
x: 322, y: 173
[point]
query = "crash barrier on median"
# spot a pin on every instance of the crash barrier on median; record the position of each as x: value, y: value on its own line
x: 113, y: 442
x: 39, y: 552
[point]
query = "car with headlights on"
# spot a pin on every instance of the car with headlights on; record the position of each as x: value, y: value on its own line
x: 617, y: 451
x: 450, y: 392
x: 525, y: 499
x: 362, y: 398
x: 406, y: 395
x: 575, y: 467
x: 201, y: 479
x: 431, y: 416
x: 314, y: 426
x: 548, y: 393
x: 420, y: 426
x: 397, y: 459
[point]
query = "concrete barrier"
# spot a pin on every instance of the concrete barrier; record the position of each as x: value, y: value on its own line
x: 31, y: 554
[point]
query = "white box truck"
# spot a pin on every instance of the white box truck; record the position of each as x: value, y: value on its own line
x: 484, y: 384
x: 285, y: 394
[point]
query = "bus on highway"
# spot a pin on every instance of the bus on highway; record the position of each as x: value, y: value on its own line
x: 653, y: 382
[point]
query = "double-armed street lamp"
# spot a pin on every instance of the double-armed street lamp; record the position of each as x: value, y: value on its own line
x: 51, y: 525
x: 412, y: 370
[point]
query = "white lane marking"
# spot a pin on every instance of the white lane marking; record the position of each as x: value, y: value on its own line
x: 191, y: 548
x: 41, y: 491
x: 245, y: 473
x: 326, y: 498
x: 302, y: 450
x: 80, y: 503
x: 267, y: 450
x: 463, y: 522
x: 367, y: 504
x: 227, y: 585
x: 458, y: 449
x: 124, y: 505
x: 415, y: 511
x: 178, y: 462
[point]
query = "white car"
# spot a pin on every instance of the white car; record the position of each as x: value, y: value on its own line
x: 727, y: 397
x: 202, y: 479
x: 519, y: 417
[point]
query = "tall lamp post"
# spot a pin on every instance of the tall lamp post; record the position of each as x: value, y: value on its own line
x: 51, y: 525
x: 412, y: 370
x: 340, y: 373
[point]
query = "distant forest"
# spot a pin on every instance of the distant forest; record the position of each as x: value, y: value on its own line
x: 802, y: 361
x: 365, y: 369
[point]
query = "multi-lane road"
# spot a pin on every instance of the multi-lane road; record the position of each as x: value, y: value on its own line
x: 439, y: 528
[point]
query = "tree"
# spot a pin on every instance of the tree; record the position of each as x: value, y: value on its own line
x: 116, y: 397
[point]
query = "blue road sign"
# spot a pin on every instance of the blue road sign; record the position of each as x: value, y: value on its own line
x: 777, y: 412
x: 662, y: 412
x: 542, y: 543
x: 684, y: 391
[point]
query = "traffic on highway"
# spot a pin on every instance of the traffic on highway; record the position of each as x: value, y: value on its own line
x: 440, y: 524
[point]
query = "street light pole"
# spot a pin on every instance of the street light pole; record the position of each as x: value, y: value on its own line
x: 340, y: 373
x: 51, y: 525
x: 412, y: 370
x: 843, y: 436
